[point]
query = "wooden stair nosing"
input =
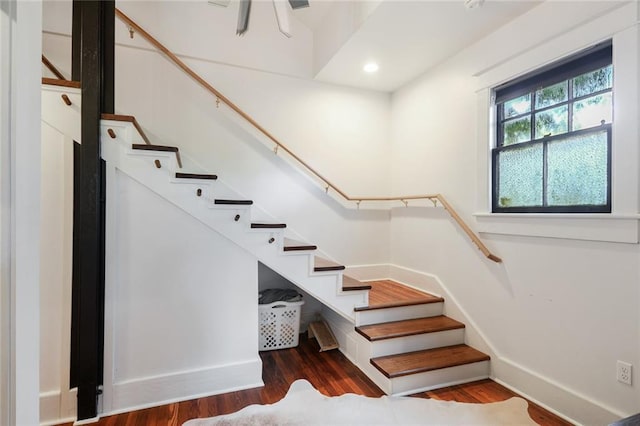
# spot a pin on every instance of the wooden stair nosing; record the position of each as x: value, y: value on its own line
x: 268, y: 225
x: 62, y: 83
x: 324, y: 265
x: 400, y: 304
x: 392, y: 366
x: 292, y: 245
x: 233, y: 202
x: 410, y: 327
x: 351, y: 284
x: 160, y: 148
x: 131, y: 119
x: 202, y: 176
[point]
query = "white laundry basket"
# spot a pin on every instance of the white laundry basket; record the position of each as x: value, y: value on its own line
x: 279, y: 325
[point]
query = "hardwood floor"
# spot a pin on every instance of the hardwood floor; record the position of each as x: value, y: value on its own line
x: 329, y: 372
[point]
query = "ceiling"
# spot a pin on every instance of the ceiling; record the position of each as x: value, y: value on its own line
x: 405, y: 38
x: 332, y: 39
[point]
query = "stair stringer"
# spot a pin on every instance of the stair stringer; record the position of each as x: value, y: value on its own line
x: 295, y: 267
x: 56, y: 113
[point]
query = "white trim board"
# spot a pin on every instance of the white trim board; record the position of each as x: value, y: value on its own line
x: 154, y: 391
x: 544, y: 391
x: 53, y: 410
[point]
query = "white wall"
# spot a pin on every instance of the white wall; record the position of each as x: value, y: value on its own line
x: 558, y: 312
x: 339, y: 131
x: 181, y: 304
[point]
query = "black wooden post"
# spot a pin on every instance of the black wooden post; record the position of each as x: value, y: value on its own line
x: 93, y: 51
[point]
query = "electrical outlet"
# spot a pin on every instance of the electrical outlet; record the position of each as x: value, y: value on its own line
x: 623, y: 373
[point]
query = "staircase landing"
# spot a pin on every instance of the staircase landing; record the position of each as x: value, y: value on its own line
x: 389, y: 294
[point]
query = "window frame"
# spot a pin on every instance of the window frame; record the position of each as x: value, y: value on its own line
x: 588, y: 60
x: 582, y: 208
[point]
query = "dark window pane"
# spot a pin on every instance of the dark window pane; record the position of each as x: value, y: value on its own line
x: 520, y: 177
x: 551, y: 95
x: 516, y: 131
x: 592, y: 111
x: 551, y: 122
x: 577, y: 170
x: 517, y: 106
x: 594, y: 81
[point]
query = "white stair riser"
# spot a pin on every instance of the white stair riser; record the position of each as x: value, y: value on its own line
x: 363, y: 293
x: 421, y: 382
x: 377, y: 316
x: 416, y: 343
x: 414, y: 383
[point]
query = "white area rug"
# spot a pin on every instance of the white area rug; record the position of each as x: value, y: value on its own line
x: 303, y: 405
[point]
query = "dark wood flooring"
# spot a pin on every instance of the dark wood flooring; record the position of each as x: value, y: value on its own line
x: 329, y: 372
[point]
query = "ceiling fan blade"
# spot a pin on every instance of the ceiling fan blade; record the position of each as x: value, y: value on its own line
x: 282, y: 16
x: 222, y: 3
x: 243, y: 17
x: 298, y: 4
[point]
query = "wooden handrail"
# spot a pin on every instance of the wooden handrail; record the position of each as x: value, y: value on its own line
x: 47, y: 63
x: 220, y: 97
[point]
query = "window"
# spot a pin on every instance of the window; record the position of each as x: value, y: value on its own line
x: 553, y: 138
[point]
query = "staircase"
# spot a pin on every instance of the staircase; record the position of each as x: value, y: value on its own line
x: 214, y: 203
x: 410, y: 345
x: 406, y: 345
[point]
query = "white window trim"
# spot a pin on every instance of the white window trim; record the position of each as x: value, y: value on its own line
x: 623, y: 223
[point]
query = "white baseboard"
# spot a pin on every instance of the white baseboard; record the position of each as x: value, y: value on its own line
x: 544, y: 391
x: 555, y: 397
x: 53, y: 410
x: 368, y: 272
x: 148, y: 392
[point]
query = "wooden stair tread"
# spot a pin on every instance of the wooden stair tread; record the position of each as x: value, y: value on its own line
x: 411, y: 327
x: 322, y: 265
x: 351, y: 284
x: 195, y: 176
x: 62, y: 83
x: 323, y: 334
x: 268, y: 225
x: 161, y: 148
x: 293, y: 245
x: 129, y: 119
x: 158, y: 148
x: 427, y: 360
x: 390, y: 294
x: 233, y: 202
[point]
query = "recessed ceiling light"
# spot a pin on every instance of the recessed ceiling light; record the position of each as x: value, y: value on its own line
x: 472, y: 4
x: 371, y: 67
